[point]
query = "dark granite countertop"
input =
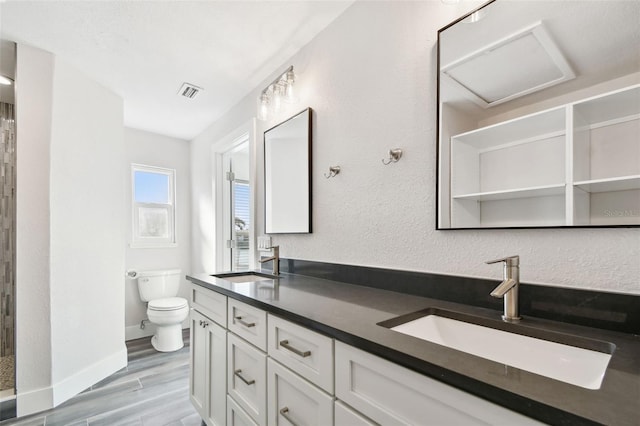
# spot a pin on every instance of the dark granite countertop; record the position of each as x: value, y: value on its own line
x: 351, y: 313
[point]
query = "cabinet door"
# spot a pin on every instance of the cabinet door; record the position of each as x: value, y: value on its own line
x: 294, y: 401
x: 247, y: 378
x: 393, y: 395
x: 216, y: 374
x: 207, y: 388
x: 197, y: 376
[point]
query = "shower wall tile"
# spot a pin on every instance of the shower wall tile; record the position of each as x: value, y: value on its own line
x: 7, y: 228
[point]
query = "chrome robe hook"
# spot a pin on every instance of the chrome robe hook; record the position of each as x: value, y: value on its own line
x: 394, y: 156
x: 333, y: 171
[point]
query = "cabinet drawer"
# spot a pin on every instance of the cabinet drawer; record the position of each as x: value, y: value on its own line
x: 210, y: 303
x: 294, y: 401
x: 390, y: 394
x: 345, y: 416
x: 236, y: 416
x: 248, y: 322
x: 304, y: 351
x: 247, y: 378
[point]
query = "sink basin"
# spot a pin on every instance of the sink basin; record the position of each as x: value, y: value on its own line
x: 245, y: 277
x: 581, y: 366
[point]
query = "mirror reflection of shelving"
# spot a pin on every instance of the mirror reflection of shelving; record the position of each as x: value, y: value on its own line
x: 532, y: 171
x: 606, y: 159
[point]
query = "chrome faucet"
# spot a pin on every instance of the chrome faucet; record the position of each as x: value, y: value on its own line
x: 275, y: 258
x: 508, y: 288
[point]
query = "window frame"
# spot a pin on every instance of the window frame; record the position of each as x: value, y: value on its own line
x: 138, y: 241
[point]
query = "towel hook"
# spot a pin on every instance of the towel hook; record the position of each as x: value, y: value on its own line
x: 333, y: 171
x: 394, y: 156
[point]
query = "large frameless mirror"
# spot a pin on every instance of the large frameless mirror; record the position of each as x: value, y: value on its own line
x: 287, y: 175
x: 539, y: 116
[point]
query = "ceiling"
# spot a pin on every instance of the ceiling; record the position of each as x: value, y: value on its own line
x: 145, y: 50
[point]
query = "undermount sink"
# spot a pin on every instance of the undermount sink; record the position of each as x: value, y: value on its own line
x: 582, y: 365
x: 245, y: 277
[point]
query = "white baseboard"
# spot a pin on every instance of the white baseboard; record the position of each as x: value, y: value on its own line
x: 7, y: 395
x: 73, y: 385
x: 132, y: 332
x: 135, y: 332
x: 45, y: 398
x: 34, y: 401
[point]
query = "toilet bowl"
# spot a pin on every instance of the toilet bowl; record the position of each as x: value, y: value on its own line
x: 167, y: 314
x: 164, y: 310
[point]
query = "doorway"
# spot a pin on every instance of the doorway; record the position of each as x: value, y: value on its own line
x: 236, y: 206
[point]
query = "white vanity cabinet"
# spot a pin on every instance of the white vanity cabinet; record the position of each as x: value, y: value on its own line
x: 301, y: 377
x: 207, y: 380
x: 577, y: 164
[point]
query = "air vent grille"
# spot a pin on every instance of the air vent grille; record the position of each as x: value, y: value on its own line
x: 522, y: 63
x: 189, y: 90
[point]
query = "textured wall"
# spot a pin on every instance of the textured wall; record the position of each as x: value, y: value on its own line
x: 33, y: 307
x: 87, y: 172
x: 371, y: 79
x: 70, y: 232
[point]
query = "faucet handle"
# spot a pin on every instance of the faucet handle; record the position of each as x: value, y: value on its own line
x: 509, y: 260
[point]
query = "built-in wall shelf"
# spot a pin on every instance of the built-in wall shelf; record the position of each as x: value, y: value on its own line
x: 539, y: 191
x: 576, y: 164
x: 624, y: 183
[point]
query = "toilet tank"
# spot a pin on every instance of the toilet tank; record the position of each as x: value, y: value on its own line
x: 158, y: 284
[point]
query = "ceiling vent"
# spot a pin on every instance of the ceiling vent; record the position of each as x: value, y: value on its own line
x: 189, y: 90
x: 522, y: 63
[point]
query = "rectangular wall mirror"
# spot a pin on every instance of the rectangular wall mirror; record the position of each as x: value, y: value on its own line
x: 287, y: 175
x: 539, y: 116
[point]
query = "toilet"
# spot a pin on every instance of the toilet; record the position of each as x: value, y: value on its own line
x: 164, y: 309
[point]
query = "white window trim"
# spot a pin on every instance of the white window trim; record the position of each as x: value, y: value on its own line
x: 151, y: 242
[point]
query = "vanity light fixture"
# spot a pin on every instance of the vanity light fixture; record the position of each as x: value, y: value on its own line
x: 5, y: 81
x: 279, y: 90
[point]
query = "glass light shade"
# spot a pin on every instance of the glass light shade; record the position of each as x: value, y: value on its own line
x: 5, y: 81
x: 277, y: 97
x: 290, y: 93
x: 263, y: 107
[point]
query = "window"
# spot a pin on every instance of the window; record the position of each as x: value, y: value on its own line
x: 154, y: 215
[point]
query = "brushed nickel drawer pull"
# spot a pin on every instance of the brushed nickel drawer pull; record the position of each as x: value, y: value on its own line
x: 248, y: 382
x: 284, y: 411
x: 285, y: 344
x: 246, y: 324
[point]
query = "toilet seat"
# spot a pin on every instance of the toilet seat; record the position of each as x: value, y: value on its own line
x: 167, y: 304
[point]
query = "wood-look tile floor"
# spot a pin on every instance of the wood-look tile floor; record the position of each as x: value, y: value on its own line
x: 153, y: 390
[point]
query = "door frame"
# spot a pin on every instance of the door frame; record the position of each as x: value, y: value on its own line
x: 248, y: 132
